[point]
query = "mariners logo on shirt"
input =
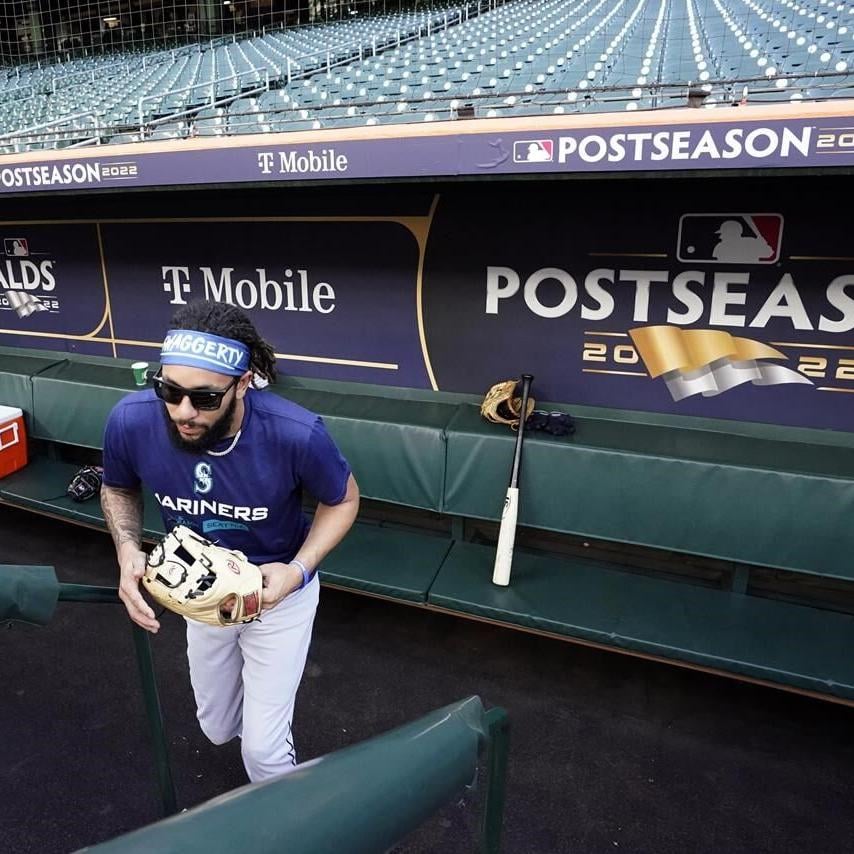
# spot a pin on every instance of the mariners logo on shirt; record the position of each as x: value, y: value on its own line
x: 203, y: 479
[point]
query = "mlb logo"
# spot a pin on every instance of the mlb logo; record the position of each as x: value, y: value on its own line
x: 738, y: 238
x: 533, y: 151
x: 16, y: 247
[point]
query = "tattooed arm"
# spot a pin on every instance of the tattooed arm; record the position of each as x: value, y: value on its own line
x: 123, y: 515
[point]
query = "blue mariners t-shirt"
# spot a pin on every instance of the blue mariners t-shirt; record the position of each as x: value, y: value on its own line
x: 248, y: 499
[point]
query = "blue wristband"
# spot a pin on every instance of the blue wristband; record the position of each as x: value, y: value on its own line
x: 306, y: 575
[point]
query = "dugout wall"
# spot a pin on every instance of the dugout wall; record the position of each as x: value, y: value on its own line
x: 697, y: 325
x: 719, y: 298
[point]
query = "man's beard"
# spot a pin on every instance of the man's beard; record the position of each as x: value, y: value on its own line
x: 210, y: 435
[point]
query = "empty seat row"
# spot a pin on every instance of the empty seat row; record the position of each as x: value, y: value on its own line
x: 520, y: 57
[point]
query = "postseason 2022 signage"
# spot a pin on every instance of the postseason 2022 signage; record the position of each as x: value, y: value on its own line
x: 703, y: 303
x: 717, y: 140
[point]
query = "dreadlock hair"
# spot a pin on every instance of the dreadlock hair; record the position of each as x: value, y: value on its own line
x: 229, y: 322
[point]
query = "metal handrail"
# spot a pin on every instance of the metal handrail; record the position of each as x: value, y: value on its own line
x: 393, y: 40
x: 31, y: 594
x: 92, y: 72
x: 211, y: 85
x: 442, y: 104
x: 22, y: 132
x: 498, y: 746
x: 10, y: 94
x: 358, y: 49
x: 327, y: 53
x: 600, y: 93
x: 193, y: 110
x: 109, y: 595
x: 818, y: 81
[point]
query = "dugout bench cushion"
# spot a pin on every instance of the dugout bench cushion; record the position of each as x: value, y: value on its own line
x: 754, y: 494
x: 766, y: 499
x: 16, y: 369
x: 386, y: 562
x: 372, y: 559
x: 396, y: 448
x: 41, y: 485
x: 777, y: 642
x: 71, y: 401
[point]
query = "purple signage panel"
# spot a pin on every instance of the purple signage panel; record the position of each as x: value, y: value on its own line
x: 732, y: 144
x: 337, y: 299
x: 703, y: 303
x: 695, y: 299
x: 52, y: 289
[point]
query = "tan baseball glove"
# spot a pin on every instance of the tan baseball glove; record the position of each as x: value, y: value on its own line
x: 195, y: 578
x: 501, y: 407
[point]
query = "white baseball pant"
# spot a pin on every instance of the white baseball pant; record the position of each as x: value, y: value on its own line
x: 245, y: 679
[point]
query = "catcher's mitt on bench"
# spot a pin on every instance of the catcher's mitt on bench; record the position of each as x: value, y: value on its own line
x: 502, y: 406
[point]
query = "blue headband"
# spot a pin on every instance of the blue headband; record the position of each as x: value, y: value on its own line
x: 202, y: 350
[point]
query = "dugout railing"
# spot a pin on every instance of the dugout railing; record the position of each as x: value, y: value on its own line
x: 30, y: 594
x: 378, y: 790
x: 714, y: 545
x: 363, y: 799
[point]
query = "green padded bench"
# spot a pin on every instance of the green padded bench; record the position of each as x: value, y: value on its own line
x: 770, y: 641
x: 40, y: 486
x: 380, y: 561
x: 386, y: 562
x: 17, y: 368
x: 65, y: 402
x: 749, y: 496
x: 772, y: 500
x: 744, y: 495
x: 71, y: 400
x: 395, y: 447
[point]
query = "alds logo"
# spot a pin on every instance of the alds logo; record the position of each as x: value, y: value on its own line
x: 25, y: 275
x: 26, y: 285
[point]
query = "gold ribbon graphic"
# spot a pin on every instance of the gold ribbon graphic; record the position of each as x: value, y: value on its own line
x: 671, y: 348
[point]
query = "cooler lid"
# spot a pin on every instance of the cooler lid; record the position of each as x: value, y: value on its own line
x: 9, y: 413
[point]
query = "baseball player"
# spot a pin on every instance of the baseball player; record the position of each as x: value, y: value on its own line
x: 230, y: 462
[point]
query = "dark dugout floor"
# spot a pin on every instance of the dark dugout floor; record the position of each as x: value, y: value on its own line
x: 608, y: 752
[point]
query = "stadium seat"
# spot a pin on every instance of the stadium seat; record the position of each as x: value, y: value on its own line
x: 547, y: 47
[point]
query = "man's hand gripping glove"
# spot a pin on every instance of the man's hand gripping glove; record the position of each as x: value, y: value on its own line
x: 195, y: 578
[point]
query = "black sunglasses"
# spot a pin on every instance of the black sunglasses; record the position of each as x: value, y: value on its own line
x: 199, y: 398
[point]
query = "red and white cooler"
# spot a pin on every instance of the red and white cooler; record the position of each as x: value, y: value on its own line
x: 13, y: 440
